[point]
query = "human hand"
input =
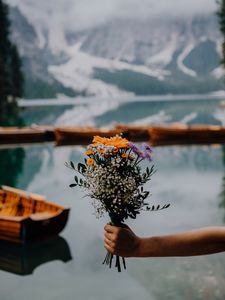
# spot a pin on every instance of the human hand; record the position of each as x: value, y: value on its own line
x: 121, y: 241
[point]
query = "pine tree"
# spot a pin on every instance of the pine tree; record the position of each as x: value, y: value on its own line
x: 11, y: 77
x: 16, y: 76
x: 4, y: 45
x: 221, y: 14
x: 11, y: 87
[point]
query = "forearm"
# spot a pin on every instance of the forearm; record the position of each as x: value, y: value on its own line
x: 196, y: 242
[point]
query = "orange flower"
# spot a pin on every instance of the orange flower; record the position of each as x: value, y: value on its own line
x: 90, y: 162
x: 116, y: 141
x: 89, y: 152
x: 119, y: 142
x: 98, y: 140
x: 124, y: 155
x: 115, y: 150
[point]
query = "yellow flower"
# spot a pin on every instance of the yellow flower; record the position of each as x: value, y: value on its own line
x: 90, y: 162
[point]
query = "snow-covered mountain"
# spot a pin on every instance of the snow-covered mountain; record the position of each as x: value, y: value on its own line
x: 120, y: 56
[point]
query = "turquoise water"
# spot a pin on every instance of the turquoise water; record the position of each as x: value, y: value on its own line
x: 191, y: 178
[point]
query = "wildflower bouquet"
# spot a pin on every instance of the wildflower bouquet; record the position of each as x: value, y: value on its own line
x: 112, y: 177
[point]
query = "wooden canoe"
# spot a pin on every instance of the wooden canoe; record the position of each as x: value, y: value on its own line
x: 81, y: 136
x: 23, y: 259
x: 134, y: 133
x: 25, y: 217
x: 15, y: 135
x: 180, y: 134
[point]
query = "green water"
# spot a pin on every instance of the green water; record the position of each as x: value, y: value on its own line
x: 191, y: 178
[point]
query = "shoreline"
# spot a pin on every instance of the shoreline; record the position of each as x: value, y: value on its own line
x: 64, y: 101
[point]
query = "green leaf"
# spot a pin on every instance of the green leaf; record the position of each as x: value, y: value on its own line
x: 132, y: 216
x: 76, y: 179
x: 166, y: 206
x: 72, y: 165
x: 81, y: 168
x: 146, y: 193
x: 72, y: 185
x: 152, y: 169
x: 158, y: 207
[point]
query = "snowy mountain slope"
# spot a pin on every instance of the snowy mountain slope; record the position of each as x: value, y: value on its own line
x: 77, y: 72
x: 121, y: 56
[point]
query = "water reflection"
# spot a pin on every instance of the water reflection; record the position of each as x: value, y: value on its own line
x: 23, y: 259
x: 11, y: 165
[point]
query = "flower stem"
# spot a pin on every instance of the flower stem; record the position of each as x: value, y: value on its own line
x: 118, y: 263
x: 109, y: 256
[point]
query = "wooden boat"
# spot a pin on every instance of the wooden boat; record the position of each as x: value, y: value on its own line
x: 36, y: 134
x: 134, y: 133
x: 25, y: 217
x: 176, y: 134
x: 81, y: 136
x: 22, y: 259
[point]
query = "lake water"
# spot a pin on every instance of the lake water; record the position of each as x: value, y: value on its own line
x: 191, y: 179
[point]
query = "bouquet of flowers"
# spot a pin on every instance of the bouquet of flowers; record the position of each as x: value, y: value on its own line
x: 112, y: 177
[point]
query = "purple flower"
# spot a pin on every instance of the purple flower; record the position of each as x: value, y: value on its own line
x: 147, y: 152
x: 134, y: 147
x: 136, y: 150
x: 147, y: 147
x: 148, y: 155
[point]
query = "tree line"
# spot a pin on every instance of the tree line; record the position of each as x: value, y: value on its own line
x: 221, y: 15
x: 11, y: 75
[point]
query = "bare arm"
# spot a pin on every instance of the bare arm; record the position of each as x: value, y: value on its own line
x: 123, y: 242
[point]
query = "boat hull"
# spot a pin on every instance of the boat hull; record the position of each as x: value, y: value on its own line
x: 26, y: 135
x: 81, y: 136
x: 184, y: 135
x: 34, y: 229
x: 25, y: 217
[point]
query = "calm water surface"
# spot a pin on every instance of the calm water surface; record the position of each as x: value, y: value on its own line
x: 191, y: 178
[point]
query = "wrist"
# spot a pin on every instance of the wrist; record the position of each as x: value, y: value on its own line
x: 137, y: 250
x: 148, y: 247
